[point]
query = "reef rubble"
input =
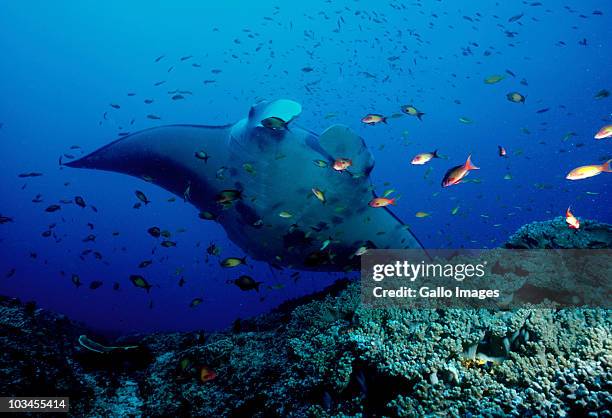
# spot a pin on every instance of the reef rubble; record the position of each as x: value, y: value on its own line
x: 328, y: 355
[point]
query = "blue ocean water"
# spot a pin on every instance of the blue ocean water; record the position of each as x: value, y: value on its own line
x: 65, y: 65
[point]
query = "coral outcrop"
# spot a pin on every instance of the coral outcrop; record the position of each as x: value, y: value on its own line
x: 328, y: 355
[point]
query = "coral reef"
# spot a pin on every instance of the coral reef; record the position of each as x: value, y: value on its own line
x: 556, y: 234
x: 328, y: 355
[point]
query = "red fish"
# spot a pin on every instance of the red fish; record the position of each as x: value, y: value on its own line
x: 424, y: 157
x: 380, y: 202
x: 342, y: 164
x: 572, y: 221
x: 373, y: 119
x: 587, y: 171
x: 207, y: 374
x: 456, y: 174
x: 605, y: 132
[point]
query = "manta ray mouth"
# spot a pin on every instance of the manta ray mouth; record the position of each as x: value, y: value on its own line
x: 274, y: 170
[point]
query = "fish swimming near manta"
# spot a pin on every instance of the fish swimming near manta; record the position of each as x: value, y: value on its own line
x: 263, y: 198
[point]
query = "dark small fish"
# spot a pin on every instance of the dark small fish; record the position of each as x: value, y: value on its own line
x: 89, y: 238
x: 140, y: 282
x: 233, y: 262
x: 246, y: 283
x: 142, y: 197
x: 185, y: 58
x: 46, y: 234
x: 226, y: 197
x: 32, y: 174
x: 80, y: 201
x: 154, y: 117
x: 202, y: 155
x: 274, y: 123
x: 168, y: 244
x: 602, y: 94
x: 515, y: 18
x: 96, y: 284
x: 137, y: 205
x: 178, y: 97
x: 5, y: 219
x: 10, y: 273
x: 195, y: 302
x: 155, y: 232
x: 209, y: 81
x: 219, y: 174
x: 93, y: 208
x: 515, y: 97
x: 159, y: 83
x: 181, y: 281
x: 307, y: 69
x: 115, y: 106
x: 90, y: 225
x: 158, y: 59
x: 209, y: 216
x: 148, y: 101
x: 53, y: 208
x: 115, y: 286
x: 546, y: 109
x: 145, y: 263
x: 76, y: 280
x: 213, y: 249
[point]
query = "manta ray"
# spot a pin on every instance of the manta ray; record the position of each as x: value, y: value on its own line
x: 269, y: 183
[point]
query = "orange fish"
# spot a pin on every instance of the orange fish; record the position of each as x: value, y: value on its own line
x: 373, y: 119
x: 207, y: 374
x: 456, y: 174
x: 571, y: 220
x: 587, y: 171
x: 501, y: 151
x: 342, y: 164
x: 605, y: 132
x: 424, y: 157
x: 380, y: 202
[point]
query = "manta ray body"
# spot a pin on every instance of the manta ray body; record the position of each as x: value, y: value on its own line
x: 259, y: 183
